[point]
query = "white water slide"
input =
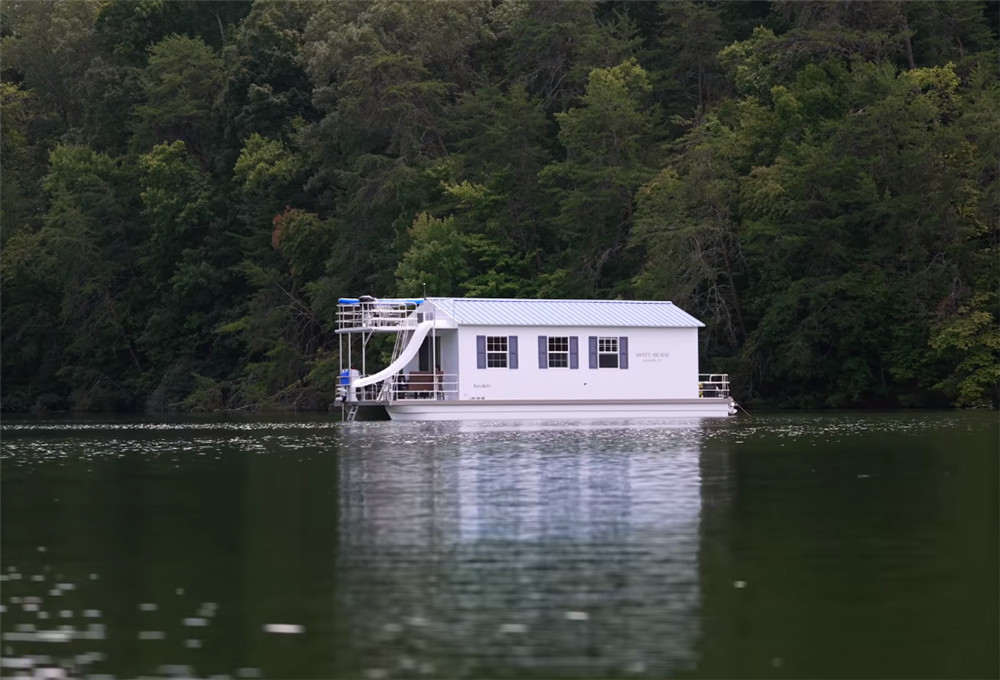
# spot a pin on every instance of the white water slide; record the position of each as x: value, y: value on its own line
x: 410, y: 351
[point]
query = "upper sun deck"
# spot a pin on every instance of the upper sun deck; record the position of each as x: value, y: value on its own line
x: 373, y: 315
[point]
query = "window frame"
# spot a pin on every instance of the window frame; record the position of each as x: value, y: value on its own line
x: 495, y: 354
x: 561, y: 352
x: 607, y: 352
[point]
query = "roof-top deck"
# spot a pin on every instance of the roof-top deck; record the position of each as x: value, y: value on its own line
x: 367, y: 314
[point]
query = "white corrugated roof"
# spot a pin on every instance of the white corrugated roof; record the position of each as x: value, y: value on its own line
x: 602, y: 313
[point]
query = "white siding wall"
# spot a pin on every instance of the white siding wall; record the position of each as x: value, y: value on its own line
x: 448, y: 339
x: 663, y: 364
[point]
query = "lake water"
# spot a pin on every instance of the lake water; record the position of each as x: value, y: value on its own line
x: 804, y: 545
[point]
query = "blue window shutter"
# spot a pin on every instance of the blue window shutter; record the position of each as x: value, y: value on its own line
x: 574, y: 352
x: 622, y: 352
x: 593, y: 351
x: 480, y: 351
x: 512, y: 347
x: 543, y: 351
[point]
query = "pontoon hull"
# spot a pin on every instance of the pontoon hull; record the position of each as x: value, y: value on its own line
x: 419, y: 410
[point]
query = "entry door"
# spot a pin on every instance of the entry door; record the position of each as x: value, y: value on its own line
x: 424, y: 355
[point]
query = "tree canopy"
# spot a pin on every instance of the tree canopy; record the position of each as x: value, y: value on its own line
x: 188, y: 187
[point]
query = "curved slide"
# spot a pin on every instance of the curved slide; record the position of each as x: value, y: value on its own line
x: 410, y: 351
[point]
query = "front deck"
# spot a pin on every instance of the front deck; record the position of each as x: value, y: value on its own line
x: 418, y: 387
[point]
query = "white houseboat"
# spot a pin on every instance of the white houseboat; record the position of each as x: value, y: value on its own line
x: 506, y: 359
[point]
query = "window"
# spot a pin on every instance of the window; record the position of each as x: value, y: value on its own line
x: 607, y: 352
x: 496, y: 351
x: 558, y: 352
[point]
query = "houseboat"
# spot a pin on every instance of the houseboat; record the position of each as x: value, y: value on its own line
x: 511, y: 359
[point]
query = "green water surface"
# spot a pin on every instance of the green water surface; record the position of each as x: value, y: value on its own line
x: 802, y: 546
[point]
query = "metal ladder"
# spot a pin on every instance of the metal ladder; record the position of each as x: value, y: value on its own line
x: 389, y: 384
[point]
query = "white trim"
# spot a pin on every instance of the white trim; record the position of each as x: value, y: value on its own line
x: 606, y: 341
x: 561, y: 354
x: 497, y: 354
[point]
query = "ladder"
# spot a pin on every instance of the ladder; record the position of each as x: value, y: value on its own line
x: 389, y: 385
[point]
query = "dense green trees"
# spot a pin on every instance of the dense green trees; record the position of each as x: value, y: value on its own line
x: 836, y: 231
x: 188, y: 187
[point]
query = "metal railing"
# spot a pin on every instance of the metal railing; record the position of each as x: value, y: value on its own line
x: 388, y: 314
x: 412, y: 385
x: 713, y: 385
x: 421, y: 385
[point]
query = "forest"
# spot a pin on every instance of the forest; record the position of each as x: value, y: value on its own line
x: 188, y: 187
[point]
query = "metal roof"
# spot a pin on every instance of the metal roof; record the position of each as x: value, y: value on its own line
x: 599, y: 313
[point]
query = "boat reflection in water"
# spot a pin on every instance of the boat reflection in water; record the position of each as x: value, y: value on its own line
x: 544, y: 549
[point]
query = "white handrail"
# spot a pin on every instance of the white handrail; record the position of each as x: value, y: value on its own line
x: 424, y: 385
x: 713, y: 385
x: 415, y: 385
x: 390, y: 314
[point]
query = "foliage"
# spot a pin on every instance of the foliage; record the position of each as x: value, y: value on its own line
x: 435, y: 262
x: 182, y: 81
x: 610, y: 142
x: 188, y: 187
x: 46, y: 47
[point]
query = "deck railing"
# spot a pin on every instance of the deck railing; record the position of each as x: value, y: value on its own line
x: 426, y: 385
x: 422, y: 385
x: 713, y: 385
x: 382, y: 314
x: 412, y: 385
